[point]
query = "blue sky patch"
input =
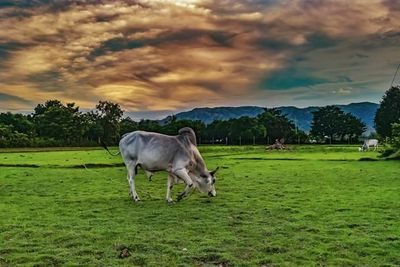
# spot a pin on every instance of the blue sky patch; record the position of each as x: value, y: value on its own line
x: 289, y: 78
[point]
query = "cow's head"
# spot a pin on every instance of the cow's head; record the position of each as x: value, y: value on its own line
x: 206, y: 183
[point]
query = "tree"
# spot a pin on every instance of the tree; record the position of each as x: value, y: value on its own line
x: 18, y: 123
x: 93, y: 130
x: 58, y: 121
x: 327, y: 122
x: 352, y: 126
x: 277, y: 125
x: 392, y: 148
x: 217, y: 131
x: 149, y: 125
x: 5, y: 131
x: 245, y: 129
x: 395, y: 140
x: 127, y: 125
x: 331, y: 121
x: 388, y: 112
x: 109, y: 115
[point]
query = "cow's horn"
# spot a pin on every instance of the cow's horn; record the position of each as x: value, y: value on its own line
x: 214, y: 171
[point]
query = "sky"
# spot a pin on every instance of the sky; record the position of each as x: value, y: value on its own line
x: 159, y: 57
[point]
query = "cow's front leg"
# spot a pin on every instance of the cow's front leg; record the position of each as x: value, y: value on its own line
x: 170, y: 185
x: 182, y: 173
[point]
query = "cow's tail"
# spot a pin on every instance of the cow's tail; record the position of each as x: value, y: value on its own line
x: 106, y: 148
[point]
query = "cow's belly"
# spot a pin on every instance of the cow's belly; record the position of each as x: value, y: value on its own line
x: 153, y: 161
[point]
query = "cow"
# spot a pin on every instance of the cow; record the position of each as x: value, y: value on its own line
x: 367, y: 144
x: 178, y: 155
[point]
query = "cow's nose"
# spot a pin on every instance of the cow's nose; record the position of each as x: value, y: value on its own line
x: 210, y: 194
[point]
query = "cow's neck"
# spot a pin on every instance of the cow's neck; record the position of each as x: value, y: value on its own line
x: 200, y: 167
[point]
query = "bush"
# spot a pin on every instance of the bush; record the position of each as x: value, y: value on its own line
x: 392, y: 149
x: 395, y: 140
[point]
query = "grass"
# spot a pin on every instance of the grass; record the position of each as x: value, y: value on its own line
x: 312, y: 205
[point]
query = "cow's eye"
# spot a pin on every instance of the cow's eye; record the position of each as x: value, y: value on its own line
x: 204, y: 176
x: 213, y: 181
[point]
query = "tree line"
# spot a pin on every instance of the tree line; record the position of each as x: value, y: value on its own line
x: 56, y: 124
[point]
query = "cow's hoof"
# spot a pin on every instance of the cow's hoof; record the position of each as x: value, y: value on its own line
x: 136, y: 199
x: 170, y: 201
x: 181, y: 196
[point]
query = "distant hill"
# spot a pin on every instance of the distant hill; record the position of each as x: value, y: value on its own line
x: 301, y: 116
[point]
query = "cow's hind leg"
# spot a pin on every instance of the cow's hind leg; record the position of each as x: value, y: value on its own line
x: 149, y: 175
x: 131, y: 166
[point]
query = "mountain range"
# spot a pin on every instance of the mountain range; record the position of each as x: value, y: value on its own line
x: 302, y: 117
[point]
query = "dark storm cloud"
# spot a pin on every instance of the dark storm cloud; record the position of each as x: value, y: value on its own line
x: 116, y: 44
x: 182, y: 37
x: 12, y: 98
x: 48, y: 81
x: 7, y: 48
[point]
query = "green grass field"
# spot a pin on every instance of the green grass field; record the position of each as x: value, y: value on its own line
x: 311, y: 205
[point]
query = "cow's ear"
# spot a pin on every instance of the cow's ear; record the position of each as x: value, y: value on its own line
x: 214, y: 171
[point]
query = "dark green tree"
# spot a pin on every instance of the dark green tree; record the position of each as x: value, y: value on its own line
x: 244, y: 129
x: 217, y: 131
x: 388, y: 112
x: 395, y: 140
x: 149, y: 125
x: 5, y: 131
x: 127, y: 125
x: 277, y: 125
x: 109, y: 115
x: 18, y: 123
x: 331, y: 121
x: 93, y: 129
x: 327, y: 121
x: 352, y: 127
x: 57, y: 121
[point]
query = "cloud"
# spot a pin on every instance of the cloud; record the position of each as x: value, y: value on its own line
x: 13, y: 102
x: 7, y: 97
x: 174, y: 55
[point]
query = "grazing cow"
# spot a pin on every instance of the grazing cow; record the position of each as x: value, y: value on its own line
x: 369, y: 143
x: 178, y: 155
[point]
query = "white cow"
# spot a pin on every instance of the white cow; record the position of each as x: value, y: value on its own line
x: 178, y: 155
x: 369, y: 143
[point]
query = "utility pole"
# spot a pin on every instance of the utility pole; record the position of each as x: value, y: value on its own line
x: 240, y: 140
x: 297, y: 127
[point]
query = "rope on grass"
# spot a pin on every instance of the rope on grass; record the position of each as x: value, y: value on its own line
x: 95, y: 172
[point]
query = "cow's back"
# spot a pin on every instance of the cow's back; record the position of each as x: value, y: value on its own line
x: 153, y: 151
x: 371, y: 142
